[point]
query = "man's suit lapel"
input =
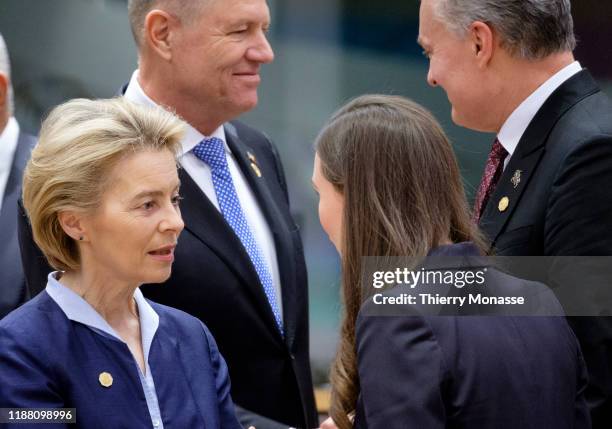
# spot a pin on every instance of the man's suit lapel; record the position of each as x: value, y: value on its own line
x: 203, y: 220
x: 24, y: 147
x: 255, y: 176
x: 530, y: 150
x: 494, y: 219
x: 9, y: 256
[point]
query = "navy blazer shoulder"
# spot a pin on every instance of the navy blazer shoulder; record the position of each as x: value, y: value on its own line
x: 498, y: 372
x: 51, y: 361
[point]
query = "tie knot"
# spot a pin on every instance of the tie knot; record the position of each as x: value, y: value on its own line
x: 212, y: 152
x: 498, y: 151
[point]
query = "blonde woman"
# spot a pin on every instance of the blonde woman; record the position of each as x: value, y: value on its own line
x: 102, y: 195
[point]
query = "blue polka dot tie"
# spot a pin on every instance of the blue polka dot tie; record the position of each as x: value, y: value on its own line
x: 212, y: 152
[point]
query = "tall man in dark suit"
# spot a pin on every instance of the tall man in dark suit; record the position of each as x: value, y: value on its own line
x: 239, y: 265
x: 507, y: 67
x: 15, y: 148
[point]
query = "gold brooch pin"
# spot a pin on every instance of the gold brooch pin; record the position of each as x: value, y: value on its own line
x: 254, y: 165
x: 252, y: 157
x: 503, y: 204
x: 105, y: 379
x: 256, y: 169
x: 516, y: 178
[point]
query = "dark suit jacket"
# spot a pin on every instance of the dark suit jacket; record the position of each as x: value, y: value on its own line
x: 214, y: 280
x: 502, y: 372
x: 50, y: 361
x: 563, y: 206
x: 13, y: 290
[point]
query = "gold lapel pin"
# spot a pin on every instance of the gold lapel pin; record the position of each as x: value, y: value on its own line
x: 256, y: 169
x: 503, y: 204
x: 254, y: 165
x: 105, y: 379
x: 251, y: 157
x: 516, y: 178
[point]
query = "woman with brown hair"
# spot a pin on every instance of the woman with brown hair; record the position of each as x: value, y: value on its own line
x: 389, y: 185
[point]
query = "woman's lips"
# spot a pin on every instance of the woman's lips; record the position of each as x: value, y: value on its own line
x: 164, y: 254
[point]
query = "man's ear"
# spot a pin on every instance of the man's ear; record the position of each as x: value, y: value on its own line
x: 482, y: 37
x: 158, y: 31
x: 73, y: 224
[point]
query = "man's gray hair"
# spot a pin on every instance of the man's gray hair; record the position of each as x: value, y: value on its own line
x: 529, y: 29
x: 138, y: 9
x: 5, y: 69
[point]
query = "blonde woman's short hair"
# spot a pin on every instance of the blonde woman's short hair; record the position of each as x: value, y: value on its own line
x: 79, y: 144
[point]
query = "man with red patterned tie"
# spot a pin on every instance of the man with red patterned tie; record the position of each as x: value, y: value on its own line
x: 507, y: 67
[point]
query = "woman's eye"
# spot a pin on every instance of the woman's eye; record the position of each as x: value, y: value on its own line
x: 176, y: 200
x: 148, y: 205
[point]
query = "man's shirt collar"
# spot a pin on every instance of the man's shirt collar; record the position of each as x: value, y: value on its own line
x: 192, y: 137
x: 513, y: 129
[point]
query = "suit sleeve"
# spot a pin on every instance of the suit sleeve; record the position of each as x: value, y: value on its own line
x: 579, y: 212
x: 25, y: 381
x: 35, y: 266
x: 579, y: 222
x: 401, y: 373
x: 227, y: 414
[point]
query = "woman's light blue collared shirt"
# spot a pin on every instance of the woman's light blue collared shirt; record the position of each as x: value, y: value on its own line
x: 78, y: 310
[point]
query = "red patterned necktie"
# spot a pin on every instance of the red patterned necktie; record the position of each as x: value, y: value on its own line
x: 492, y: 173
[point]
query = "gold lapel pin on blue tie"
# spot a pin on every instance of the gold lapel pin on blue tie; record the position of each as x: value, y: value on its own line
x: 516, y: 178
x: 105, y: 379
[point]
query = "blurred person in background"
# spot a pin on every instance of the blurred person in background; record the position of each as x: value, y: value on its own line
x: 239, y: 263
x: 507, y: 67
x: 102, y: 193
x: 389, y: 185
x: 15, y: 148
